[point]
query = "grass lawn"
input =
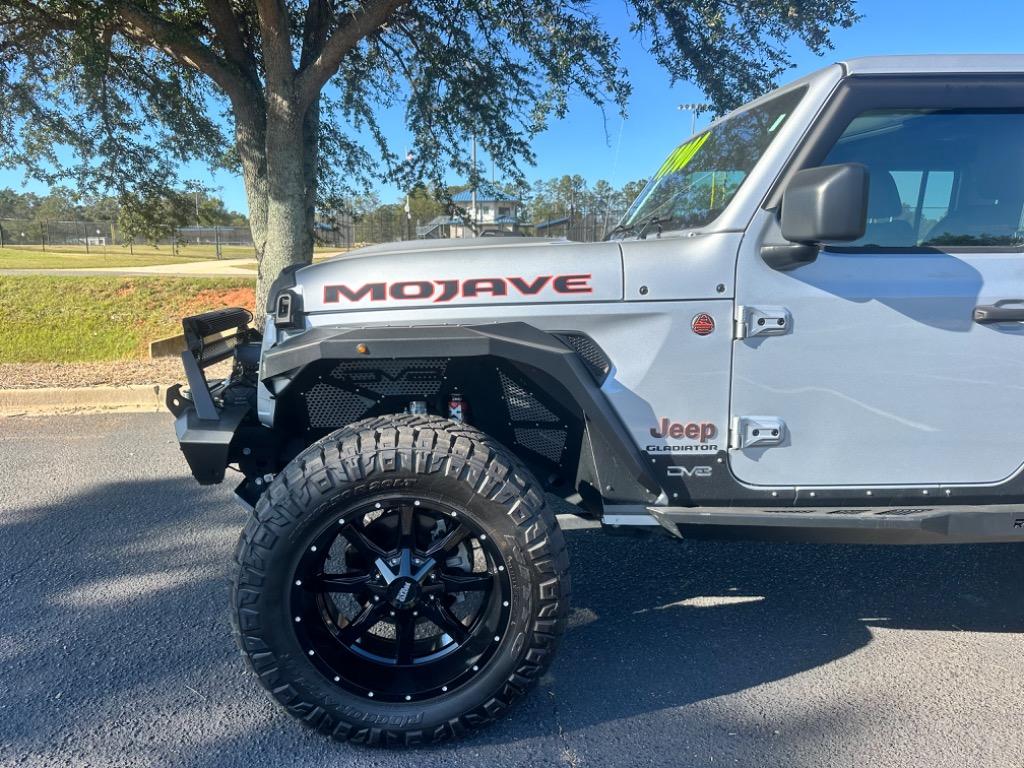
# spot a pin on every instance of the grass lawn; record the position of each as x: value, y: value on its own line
x: 70, y: 319
x: 74, y: 257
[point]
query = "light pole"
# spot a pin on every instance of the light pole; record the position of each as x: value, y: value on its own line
x: 472, y: 181
x: 694, y: 108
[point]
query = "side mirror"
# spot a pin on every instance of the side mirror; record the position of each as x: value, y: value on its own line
x: 823, y: 204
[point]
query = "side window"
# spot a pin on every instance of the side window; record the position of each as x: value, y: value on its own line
x: 939, y: 178
x: 936, y: 198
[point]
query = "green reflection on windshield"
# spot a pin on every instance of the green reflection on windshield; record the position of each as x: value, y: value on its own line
x: 699, y: 178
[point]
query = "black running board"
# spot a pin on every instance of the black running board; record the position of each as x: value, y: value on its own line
x: 940, y: 524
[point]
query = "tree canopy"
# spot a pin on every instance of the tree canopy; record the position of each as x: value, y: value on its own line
x: 114, y: 95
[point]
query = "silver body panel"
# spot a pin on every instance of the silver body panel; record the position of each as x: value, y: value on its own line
x: 882, y: 380
x: 437, y: 261
x: 937, y: 64
x: 655, y: 355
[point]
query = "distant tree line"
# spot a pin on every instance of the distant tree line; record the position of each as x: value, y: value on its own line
x: 136, y: 218
x: 159, y: 217
x: 568, y: 196
x: 544, y: 200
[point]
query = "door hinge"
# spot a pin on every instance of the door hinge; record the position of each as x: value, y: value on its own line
x: 756, y: 432
x: 761, y: 321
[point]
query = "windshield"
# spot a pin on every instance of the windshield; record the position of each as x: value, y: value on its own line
x: 697, y: 181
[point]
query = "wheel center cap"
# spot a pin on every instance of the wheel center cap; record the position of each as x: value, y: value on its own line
x: 403, y: 592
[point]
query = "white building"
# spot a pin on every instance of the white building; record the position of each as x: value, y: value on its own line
x: 495, y: 211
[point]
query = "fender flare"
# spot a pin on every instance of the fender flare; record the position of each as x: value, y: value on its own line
x: 620, y: 472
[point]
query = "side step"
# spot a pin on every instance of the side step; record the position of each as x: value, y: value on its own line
x: 943, y: 524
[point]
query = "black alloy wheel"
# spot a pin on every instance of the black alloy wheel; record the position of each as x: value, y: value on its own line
x: 401, y: 599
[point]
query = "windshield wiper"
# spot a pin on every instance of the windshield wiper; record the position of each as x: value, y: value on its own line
x: 640, y: 230
x: 620, y: 229
x: 654, y: 221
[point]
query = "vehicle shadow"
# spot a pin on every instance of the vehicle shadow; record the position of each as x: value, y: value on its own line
x: 659, y: 623
x: 114, y: 624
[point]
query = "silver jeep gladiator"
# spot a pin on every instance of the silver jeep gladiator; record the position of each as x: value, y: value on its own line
x: 808, y: 326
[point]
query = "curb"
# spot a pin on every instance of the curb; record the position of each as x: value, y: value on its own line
x: 137, y: 398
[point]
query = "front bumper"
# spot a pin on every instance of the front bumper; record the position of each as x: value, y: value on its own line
x: 206, y: 443
x: 208, y: 417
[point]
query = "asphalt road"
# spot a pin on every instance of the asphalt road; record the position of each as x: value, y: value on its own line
x: 115, y: 648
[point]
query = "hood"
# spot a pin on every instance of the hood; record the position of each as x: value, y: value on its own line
x: 497, y: 271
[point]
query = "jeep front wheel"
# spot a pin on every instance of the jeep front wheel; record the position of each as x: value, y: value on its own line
x: 402, y: 581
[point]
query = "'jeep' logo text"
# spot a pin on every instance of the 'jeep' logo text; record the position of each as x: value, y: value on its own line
x: 440, y: 291
x: 702, y: 431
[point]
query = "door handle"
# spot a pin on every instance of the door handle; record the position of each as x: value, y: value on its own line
x: 1000, y: 313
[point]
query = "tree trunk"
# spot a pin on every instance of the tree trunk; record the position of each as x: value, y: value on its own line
x: 288, y: 236
x: 310, y: 160
x: 251, y: 143
x: 279, y: 151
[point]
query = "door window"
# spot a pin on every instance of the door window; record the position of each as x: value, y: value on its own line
x: 939, y: 178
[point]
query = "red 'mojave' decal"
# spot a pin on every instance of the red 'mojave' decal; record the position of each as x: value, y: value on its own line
x: 446, y: 290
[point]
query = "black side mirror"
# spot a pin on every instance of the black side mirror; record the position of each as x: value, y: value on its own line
x: 823, y: 204
x: 826, y: 203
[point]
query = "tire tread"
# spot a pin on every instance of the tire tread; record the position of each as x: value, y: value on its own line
x: 422, y: 445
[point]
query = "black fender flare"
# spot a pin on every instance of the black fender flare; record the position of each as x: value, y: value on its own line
x: 620, y: 471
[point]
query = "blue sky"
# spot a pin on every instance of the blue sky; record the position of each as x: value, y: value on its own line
x: 619, y: 150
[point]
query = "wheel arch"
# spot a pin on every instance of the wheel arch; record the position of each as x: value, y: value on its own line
x: 536, y: 392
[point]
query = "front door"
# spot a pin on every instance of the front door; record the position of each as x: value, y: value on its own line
x: 883, y: 376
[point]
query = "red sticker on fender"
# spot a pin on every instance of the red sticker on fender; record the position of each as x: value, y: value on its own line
x: 703, y: 324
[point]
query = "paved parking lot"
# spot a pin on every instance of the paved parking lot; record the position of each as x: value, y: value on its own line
x: 115, y: 648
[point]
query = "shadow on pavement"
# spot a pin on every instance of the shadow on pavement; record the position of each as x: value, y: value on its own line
x: 659, y: 623
x: 114, y: 624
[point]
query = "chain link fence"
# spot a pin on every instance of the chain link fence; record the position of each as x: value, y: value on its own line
x: 339, y: 231
x: 345, y: 231
x: 96, y: 237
